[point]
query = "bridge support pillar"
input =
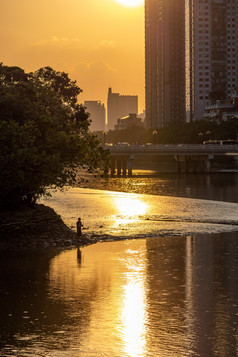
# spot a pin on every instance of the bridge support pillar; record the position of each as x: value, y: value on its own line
x: 208, y: 165
x: 202, y: 166
x: 187, y: 165
x: 180, y: 162
x: 118, y: 167
x: 124, y: 167
x: 121, y: 165
x: 129, y: 163
x: 113, y: 165
x: 196, y: 166
x: 179, y: 167
x: 130, y: 160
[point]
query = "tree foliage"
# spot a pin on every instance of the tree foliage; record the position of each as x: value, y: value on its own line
x: 44, y: 134
x: 175, y: 133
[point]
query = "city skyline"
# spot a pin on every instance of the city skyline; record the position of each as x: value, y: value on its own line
x: 108, y: 44
x: 99, y: 43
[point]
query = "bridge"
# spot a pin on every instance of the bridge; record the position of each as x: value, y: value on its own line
x: 189, y: 158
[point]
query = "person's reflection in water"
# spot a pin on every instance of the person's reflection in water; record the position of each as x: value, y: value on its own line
x: 79, y: 255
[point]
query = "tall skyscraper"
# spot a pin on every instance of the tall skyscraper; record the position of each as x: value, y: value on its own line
x: 164, y: 61
x: 97, y: 114
x: 211, y: 53
x: 191, y: 57
x: 119, y: 106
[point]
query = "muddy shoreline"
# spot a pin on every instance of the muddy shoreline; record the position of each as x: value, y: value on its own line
x: 37, y: 228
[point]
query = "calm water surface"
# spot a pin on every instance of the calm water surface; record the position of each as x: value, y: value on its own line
x: 215, y: 186
x: 170, y: 290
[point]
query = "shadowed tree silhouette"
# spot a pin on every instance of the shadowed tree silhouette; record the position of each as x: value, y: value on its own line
x: 44, y: 136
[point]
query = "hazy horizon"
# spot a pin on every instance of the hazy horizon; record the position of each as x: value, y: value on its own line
x: 99, y: 43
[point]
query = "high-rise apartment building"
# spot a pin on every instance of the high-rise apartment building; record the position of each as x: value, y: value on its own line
x: 191, y: 57
x: 97, y: 114
x: 211, y: 53
x: 164, y: 61
x: 119, y: 106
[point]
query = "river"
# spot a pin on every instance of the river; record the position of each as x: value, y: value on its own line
x: 162, y: 282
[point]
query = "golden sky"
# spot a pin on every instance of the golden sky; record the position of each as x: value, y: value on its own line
x: 100, y: 43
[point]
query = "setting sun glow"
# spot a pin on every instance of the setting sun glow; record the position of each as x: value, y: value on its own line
x: 96, y: 51
x: 131, y: 3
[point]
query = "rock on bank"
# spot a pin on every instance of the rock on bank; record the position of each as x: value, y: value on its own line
x: 38, y: 227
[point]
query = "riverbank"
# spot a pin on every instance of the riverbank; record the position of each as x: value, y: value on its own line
x: 36, y: 228
x: 112, y: 215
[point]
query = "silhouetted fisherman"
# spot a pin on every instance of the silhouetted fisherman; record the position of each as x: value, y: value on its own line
x: 79, y: 226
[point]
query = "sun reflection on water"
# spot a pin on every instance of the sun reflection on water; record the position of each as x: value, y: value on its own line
x: 128, y: 210
x: 133, y: 315
x: 134, y: 309
x: 130, y: 206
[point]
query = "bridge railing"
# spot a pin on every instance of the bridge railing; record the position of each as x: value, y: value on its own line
x: 173, y: 148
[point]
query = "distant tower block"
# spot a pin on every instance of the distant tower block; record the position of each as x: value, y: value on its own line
x: 97, y: 114
x: 119, y: 106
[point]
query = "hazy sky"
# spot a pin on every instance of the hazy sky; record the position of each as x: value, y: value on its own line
x: 100, y: 43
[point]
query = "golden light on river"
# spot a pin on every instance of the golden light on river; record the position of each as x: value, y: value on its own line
x: 133, y: 311
x: 134, y: 317
x: 108, y: 302
x: 128, y: 206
